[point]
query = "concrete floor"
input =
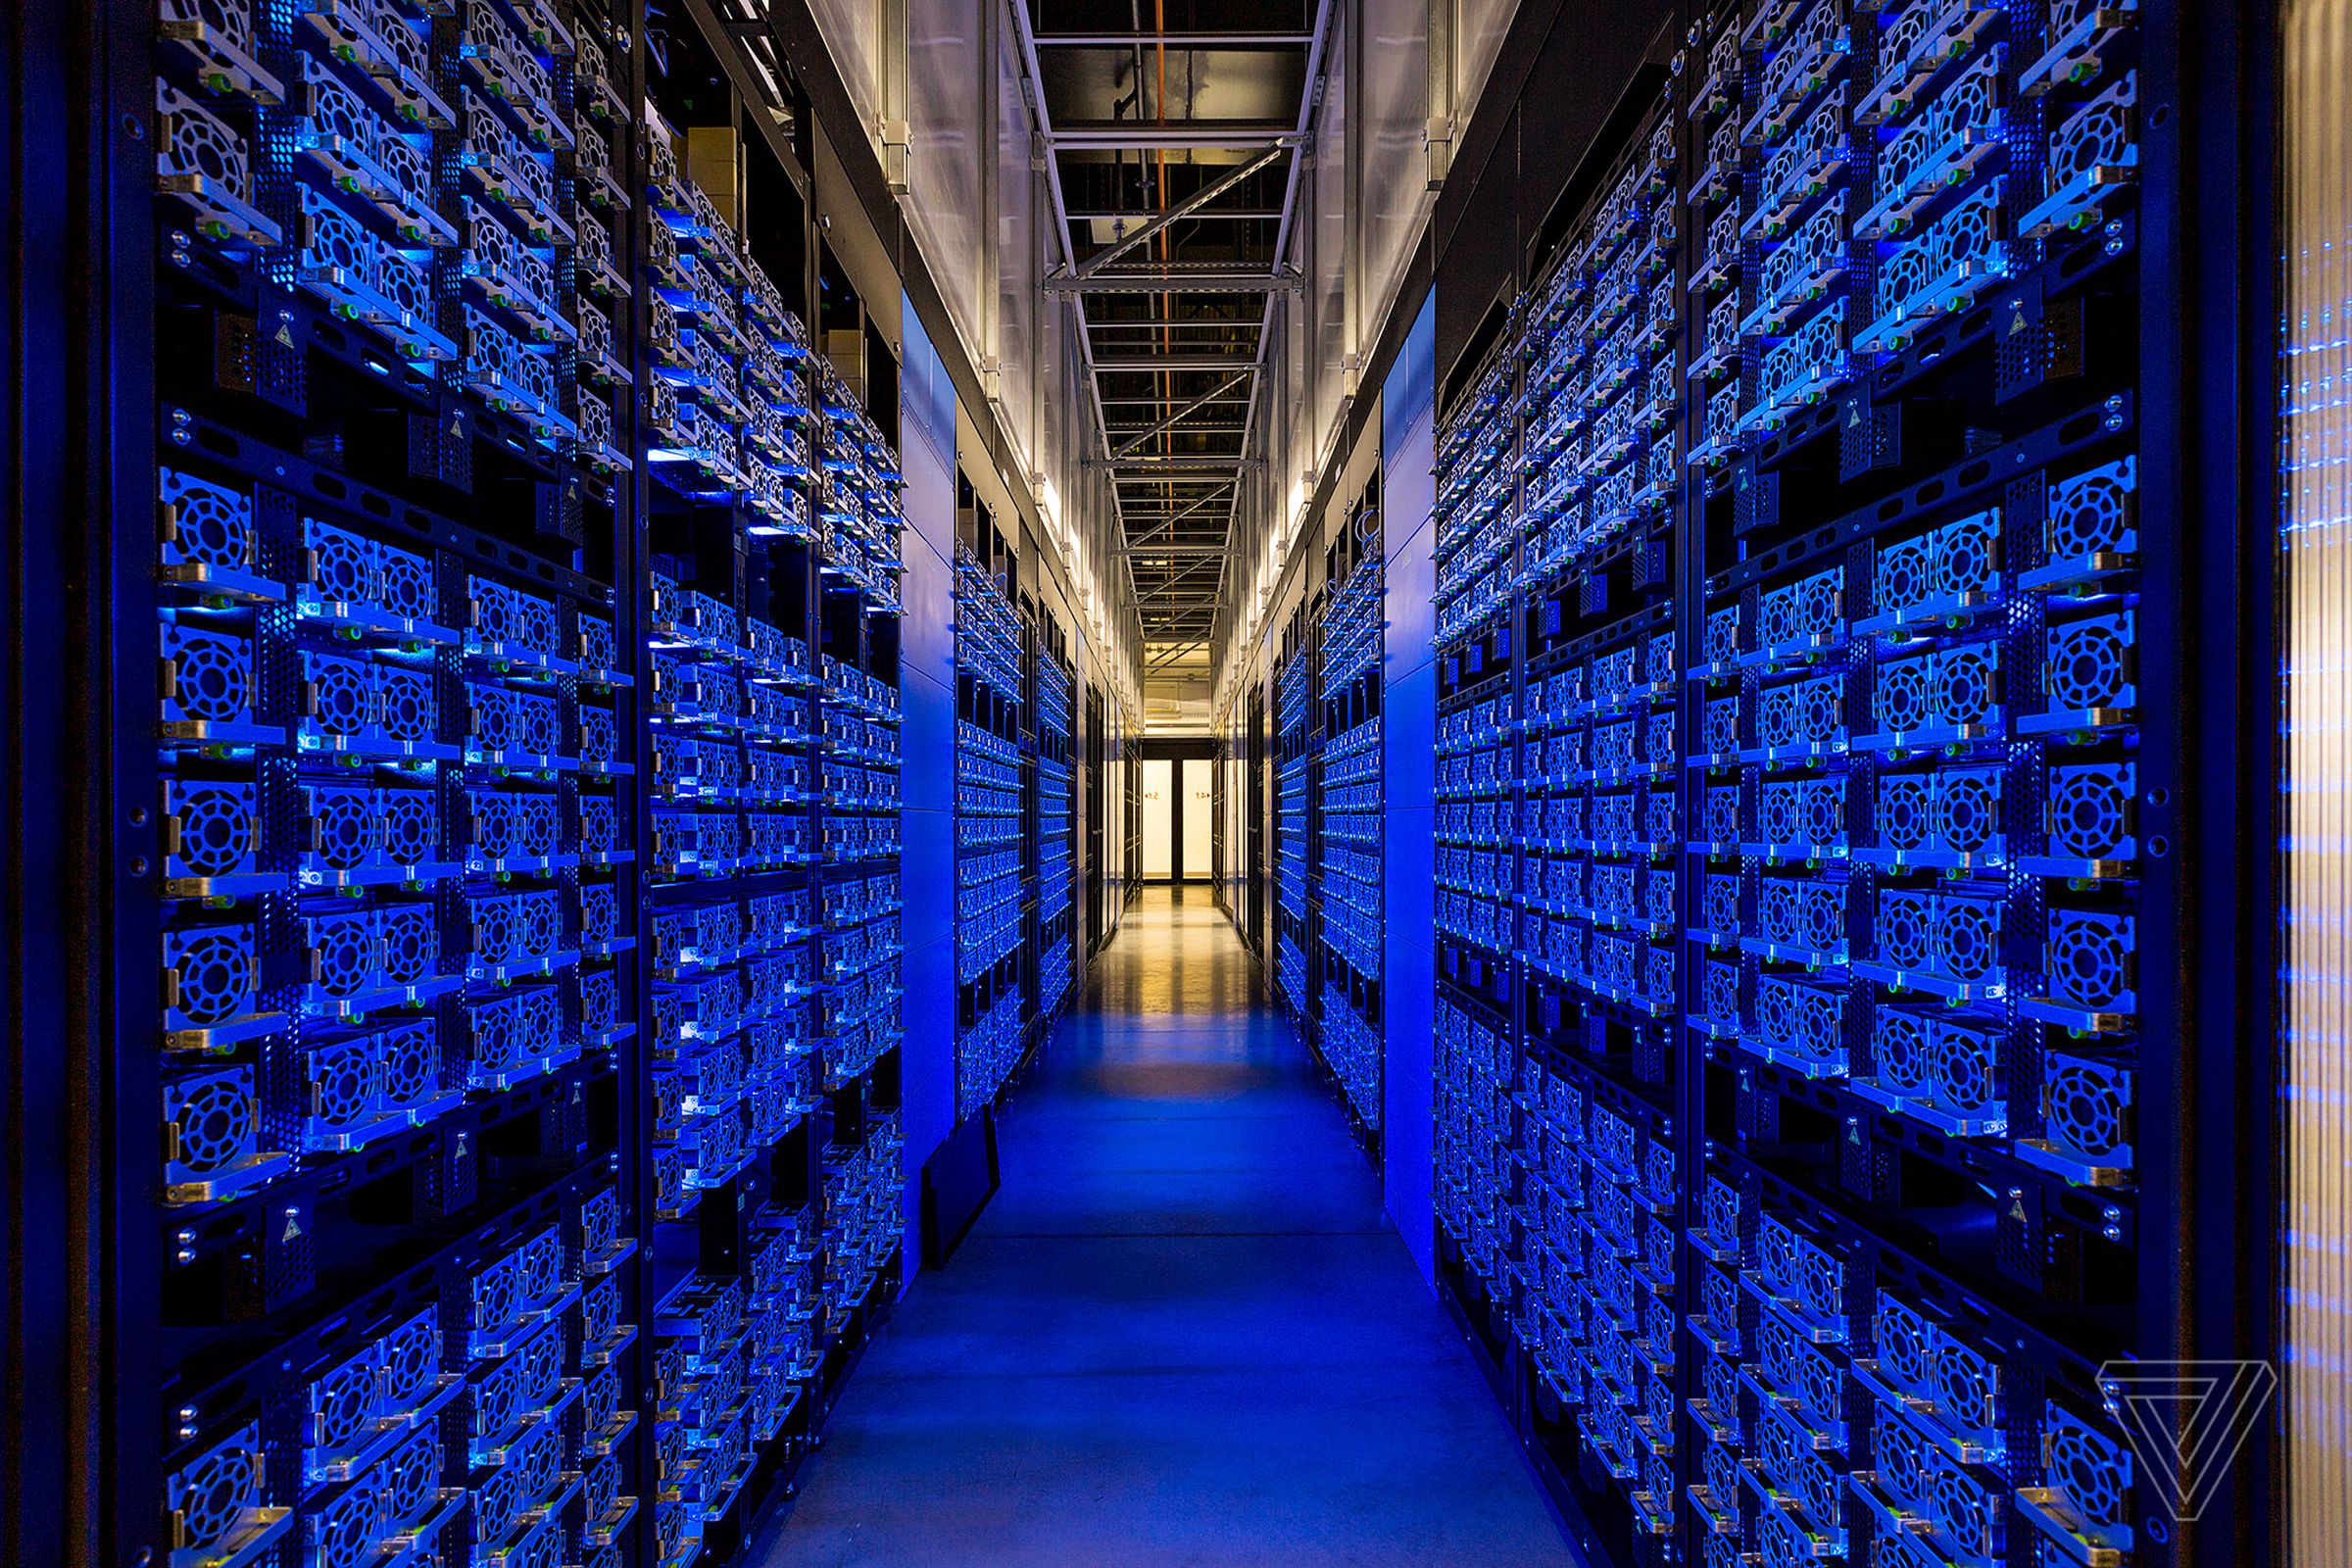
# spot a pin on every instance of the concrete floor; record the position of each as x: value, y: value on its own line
x: 1181, y: 1334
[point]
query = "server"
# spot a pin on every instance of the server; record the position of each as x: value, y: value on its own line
x: 1791, y: 779
x: 513, y: 1006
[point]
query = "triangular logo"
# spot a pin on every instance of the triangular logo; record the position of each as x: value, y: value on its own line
x: 457, y: 426
x: 293, y: 1230
x: 285, y: 338
x: 2017, y: 324
x: 2187, y: 1420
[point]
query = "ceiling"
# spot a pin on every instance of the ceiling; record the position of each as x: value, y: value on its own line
x: 1172, y: 131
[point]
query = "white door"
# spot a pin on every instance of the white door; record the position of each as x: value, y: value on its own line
x: 1159, y: 789
x: 1198, y: 791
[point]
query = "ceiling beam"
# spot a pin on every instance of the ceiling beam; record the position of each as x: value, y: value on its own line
x: 1176, y: 277
x: 1178, y: 417
x: 1114, y: 135
x: 1237, y: 215
x: 1198, y: 199
x: 1155, y: 363
x: 1160, y: 403
x: 1175, y: 40
x: 1151, y: 467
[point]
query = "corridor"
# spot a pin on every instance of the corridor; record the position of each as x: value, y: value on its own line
x: 1182, y: 1333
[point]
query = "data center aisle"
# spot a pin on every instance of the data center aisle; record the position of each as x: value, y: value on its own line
x: 1182, y: 1334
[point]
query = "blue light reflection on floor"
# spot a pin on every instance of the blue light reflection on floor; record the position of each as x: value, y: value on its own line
x: 1183, y: 1333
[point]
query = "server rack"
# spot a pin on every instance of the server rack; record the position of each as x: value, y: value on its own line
x: 1346, y: 778
x: 991, y: 1036
x: 1294, y: 838
x: 1795, y: 802
x: 1053, y: 816
x: 507, y: 686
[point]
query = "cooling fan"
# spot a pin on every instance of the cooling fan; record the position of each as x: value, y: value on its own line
x: 343, y: 1413
x: 2087, y: 1108
x: 412, y: 1361
x: 1905, y: 1352
x: 1658, y: 974
x: 1967, y: 556
x: 600, y: 1316
x: 2097, y: 140
x: 536, y: 724
x: 1776, y: 1011
x: 1819, y: 704
x: 1657, y: 898
x: 212, y: 1123
x: 338, y: 695
x: 1658, y: 820
x: 1965, y: 1065
x: 1658, y: 747
x: 600, y: 826
x: 346, y: 1085
x: 408, y: 948
x: 207, y: 686
x: 600, y: 1223
x: 1968, y: 687
x: 1903, y: 277
x: 2090, y: 1480
x: 209, y: 976
x: 1970, y: 1517
x: 209, y: 537
x: 342, y: 566
x: 1905, y: 574
x: 539, y: 1022
x: 1968, y: 245
x: 408, y: 592
x: 536, y: 834
x: 496, y: 1301
x: 2087, y: 671
x: 495, y: 721
x: 492, y: 1035
x: 2087, y: 958
x: 1722, y: 902
x: 410, y: 821
x: 497, y: 1504
x: 406, y: 170
x: 202, y: 161
x: 601, y: 1490
x: 2087, y: 812
x: 2093, y: 153
x: 1903, y: 700
x: 1968, y: 1391
x: 2091, y: 517
x: 496, y: 830
x: 1905, y: 811
x: 598, y: 737
x: 213, y: 833
x: 538, y: 923
x: 539, y: 1465
x: 343, y: 958
x: 406, y: 697
x: 411, y: 1482
x: 1823, y: 927
x: 217, y: 1503
x: 1906, y: 925
x: 495, y: 930
x: 1967, y: 809
x: 344, y: 828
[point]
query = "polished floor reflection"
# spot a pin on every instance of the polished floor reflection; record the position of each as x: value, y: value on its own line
x: 1182, y: 1333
